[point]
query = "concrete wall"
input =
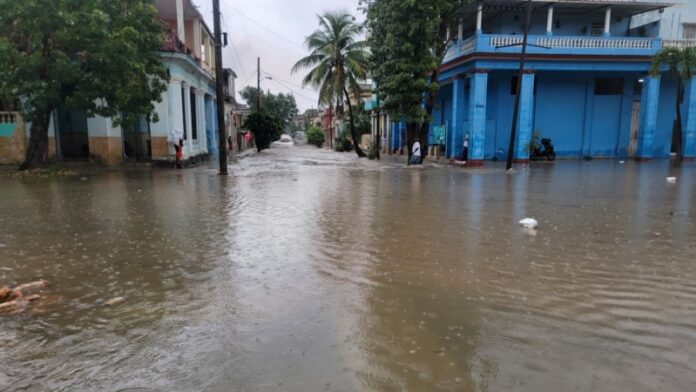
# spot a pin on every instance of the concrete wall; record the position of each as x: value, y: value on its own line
x: 12, y: 138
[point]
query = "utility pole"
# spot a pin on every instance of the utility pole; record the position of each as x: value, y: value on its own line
x: 258, y: 85
x: 219, y: 91
x: 516, y: 107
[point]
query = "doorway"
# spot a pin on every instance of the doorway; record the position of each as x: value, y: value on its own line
x: 635, y: 124
x: 137, y: 145
x: 71, y: 131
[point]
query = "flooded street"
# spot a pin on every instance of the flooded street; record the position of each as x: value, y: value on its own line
x: 307, y: 270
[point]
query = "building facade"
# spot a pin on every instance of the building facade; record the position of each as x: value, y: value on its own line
x: 586, y: 86
x: 188, y: 105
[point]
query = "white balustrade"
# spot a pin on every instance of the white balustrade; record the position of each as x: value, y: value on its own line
x: 678, y: 43
x: 594, y: 43
x: 505, y: 40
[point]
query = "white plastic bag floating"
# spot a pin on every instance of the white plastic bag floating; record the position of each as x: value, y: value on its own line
x: 671, y: 179
x: 529, y: 223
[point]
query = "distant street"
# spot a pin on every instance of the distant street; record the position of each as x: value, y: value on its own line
x: 309, y: 270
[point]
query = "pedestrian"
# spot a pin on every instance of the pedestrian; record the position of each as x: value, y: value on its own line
x: 415, y: 153
x: 230, y: 144
x: 465, y: 153
x: 176, y: 138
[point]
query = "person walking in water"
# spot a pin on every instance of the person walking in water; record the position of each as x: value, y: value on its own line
x: 176, y: 138
x: 415, y: 154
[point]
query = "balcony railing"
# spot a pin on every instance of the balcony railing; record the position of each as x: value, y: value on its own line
x: 490, y: 43
x: 678, y: 43
x: 172, y: 43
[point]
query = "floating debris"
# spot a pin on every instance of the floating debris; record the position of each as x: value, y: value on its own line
x: 671, y: 180
x: 31, y: 285
x: 529, y: 223
x: 115, y: 301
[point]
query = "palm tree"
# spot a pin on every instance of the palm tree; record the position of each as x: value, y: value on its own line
x: 338, y: 62
x: 680, y: 64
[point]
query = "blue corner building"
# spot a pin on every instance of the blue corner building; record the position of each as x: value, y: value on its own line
x: 586, y: 86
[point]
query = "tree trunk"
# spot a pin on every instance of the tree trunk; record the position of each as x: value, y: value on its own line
x: 412, y: 131
x: 429, y: 107
x: 679, y: 149
x: 353, y: 135
x: 37, y: 151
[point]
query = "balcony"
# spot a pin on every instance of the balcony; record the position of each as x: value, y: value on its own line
x: 563, y: 45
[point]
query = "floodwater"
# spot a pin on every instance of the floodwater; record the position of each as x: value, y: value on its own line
x: 306, y: 270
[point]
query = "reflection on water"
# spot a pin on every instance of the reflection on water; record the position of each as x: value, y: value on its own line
x: 306, y: 270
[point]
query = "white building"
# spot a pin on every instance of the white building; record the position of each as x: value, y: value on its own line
x: 188, y: 104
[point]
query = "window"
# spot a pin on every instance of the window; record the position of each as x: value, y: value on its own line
x: 194, y: 128
x: 608, y: 86
x: 689, y: 31
x: 597, y: 29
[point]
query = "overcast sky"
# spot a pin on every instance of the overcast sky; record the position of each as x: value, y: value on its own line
x: 275, y: 31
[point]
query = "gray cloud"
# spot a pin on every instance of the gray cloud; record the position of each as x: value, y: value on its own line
x: 275, y: 31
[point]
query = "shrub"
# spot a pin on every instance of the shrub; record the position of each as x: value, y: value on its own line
x: 343, y: 142
x: 315, y: 136
x: 372, y: 151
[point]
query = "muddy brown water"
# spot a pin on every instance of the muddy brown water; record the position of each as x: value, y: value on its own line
x: 310, y: 271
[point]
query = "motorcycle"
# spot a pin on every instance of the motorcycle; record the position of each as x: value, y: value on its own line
x: 545, y: 150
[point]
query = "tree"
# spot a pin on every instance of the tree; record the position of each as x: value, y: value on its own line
x: 96, y: 55
x: 309, y: 116
x: 282, y: 106
x: 680, y: 64
x: 408, y: 41
x: 265, y: 127
x: 338, y: 62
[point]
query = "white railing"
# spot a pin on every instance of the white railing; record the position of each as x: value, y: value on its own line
x: 505, y: 40
x: 678, y: 43
x: 8, y: 117
x: 594, y: 43
x: 468, y: 45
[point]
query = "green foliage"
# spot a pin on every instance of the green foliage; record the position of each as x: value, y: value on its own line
x: 363, y: 125
x: 265, y: 127
x: 372, y: 151
x: 343, y: 142
x: 337, y: 62
x: 534, y: 142
x: 408, y: 44
x: 680, y: 63
x: 309, y: 116
x: 315, y: 136
x: 97, y: 55
x: 282, y: 106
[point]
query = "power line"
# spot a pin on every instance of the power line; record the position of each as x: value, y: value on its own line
x: 282, y: 86
x: 263, y: 26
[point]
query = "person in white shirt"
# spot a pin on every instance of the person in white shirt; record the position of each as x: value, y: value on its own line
x: 415, y: 154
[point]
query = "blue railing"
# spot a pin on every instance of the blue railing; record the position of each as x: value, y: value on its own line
x: 543, y: 44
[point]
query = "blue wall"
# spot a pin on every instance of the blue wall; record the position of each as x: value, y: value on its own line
x: 562, y: 120
x: 568, y: 110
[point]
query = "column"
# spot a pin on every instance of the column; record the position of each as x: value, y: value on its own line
x: 180, y: 28
x: 479, y: 18
x: 188, y: 144
x: 607, y: 22
x: 202, y: 131
x: 478, y: 93
x: 161, y: 148
x: 460, y: 30
x: 648, y: 116
x: 197, y: 38
x: 689, y: 121
x: 457, y: 125
x: 549, y: 21
x: 524, y: 127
